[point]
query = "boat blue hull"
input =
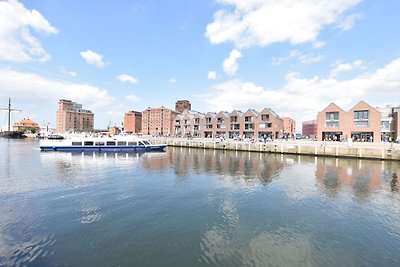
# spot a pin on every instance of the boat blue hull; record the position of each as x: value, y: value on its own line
x: 104, y: 148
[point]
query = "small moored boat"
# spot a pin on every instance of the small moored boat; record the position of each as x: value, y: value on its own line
x: 115, y: 144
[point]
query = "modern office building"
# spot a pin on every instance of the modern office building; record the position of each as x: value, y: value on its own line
x: 133, y: 122
x: 181, y: 105
x: 361, y: 123
x: 309, y: 129
x: 71, y: 116
x: 158, y: 121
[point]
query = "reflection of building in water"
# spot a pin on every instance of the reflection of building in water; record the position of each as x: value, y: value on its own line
x: 362, y: 176
x: 250, y: 167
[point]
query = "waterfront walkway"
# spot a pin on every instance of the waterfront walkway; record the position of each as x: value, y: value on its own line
x: 368, y: 150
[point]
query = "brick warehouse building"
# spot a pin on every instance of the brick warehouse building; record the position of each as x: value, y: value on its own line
x: 133, y: 122
x: 158, y: 121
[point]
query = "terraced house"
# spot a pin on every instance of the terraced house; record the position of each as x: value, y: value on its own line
x: 236, y: 124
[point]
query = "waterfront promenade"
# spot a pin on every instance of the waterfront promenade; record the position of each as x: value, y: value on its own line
x: 362, y: 150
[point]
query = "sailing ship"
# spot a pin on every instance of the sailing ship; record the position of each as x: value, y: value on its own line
x: 9, y: 133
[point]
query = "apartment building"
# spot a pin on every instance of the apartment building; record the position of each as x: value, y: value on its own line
x: 289, y: 126
x: 71, y: 116
x: 236, y: 124
x: 389, y: 122
x: 158, y: 121
x: 188, y: 123
x: 361, y: 123
x: 133, y: 122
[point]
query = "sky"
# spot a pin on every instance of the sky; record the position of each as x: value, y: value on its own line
x: 293, y: 56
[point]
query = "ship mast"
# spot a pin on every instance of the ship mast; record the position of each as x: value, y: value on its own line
x: 9, y: 109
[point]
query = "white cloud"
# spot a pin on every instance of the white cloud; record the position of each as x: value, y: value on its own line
x: 345, y: 67
x: 172, y: 80
x: 127, y: 78
x: 230, y: 66
x: 132, y: 98
x: 38, y: 96
x: 303, y: 58
x: 318, y: 44
x: 212, y: 75
x: 302, y: 98
x: 263, y: 22
x: 93, y: 58
x: 69, y: 73
x: 348, y: 22
x: 16, y: 40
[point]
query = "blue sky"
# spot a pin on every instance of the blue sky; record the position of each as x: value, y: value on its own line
x: 293, y: 56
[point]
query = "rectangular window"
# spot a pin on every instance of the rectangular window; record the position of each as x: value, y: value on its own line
x: 208, y: 120
x: 110, y: 143
x: 88, y: 143
x: 121, y: 143
x: 361, y: 118
x: 132, y: 143
x: 248, y: 126
x: 76, y: 143
x: 220, y: 120
x: 233, y: 118
x: 196, y: 120
x: 332, y: 119
x: 265, y: 117
x: 99, y: 143
x: 248, y: 119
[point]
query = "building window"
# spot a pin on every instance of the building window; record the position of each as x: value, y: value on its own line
x: 233, y: 118
x: 265, y: 117
x: 208, y: 120
x: 235, y: 126
x: 332, y: 119
x: 220, y: 120
x: 196, y: 120
x: 249, y: 126
x: 361, y: 118
x: 248, y: 119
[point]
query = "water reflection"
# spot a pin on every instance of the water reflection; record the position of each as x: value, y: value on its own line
x: 195, y: 207
x: 300, y: 174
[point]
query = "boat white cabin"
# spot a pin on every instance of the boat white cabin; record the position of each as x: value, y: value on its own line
x: 115, y: 143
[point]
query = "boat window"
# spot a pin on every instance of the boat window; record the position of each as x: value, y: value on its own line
x: 99, y: 143
x: 121, y: 143
x: 141, y: 143
x: 132, y: 143
x: 76, y: 143
x: 146, y: 142
x: 88, y: 143
x: 110, y: 143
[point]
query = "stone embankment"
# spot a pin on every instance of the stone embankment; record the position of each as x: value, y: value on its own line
x: 380, y: 151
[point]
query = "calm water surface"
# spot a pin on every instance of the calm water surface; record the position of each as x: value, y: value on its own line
x: 191, y: 207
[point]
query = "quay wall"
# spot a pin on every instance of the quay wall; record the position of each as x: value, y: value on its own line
x: 379, y: 152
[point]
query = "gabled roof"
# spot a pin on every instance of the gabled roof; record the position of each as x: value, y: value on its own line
x: 237, y: 112
x: 332, y: 106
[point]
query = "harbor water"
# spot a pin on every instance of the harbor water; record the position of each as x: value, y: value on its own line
x: 195, y: 207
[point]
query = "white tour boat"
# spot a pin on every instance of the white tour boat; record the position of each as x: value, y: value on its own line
x: 117, y: 143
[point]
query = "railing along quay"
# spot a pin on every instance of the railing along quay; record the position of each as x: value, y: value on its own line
x: 361, y: 150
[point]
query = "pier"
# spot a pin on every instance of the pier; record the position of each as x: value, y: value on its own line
x: 359, y: 150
